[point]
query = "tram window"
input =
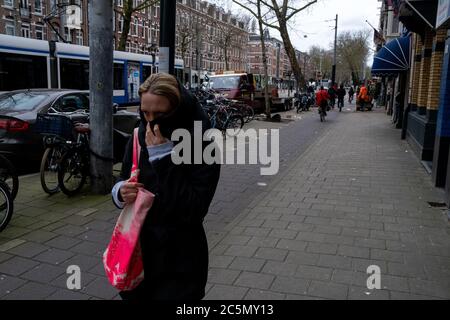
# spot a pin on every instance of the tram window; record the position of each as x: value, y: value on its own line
x: 118, y: 76
x: 146, y: 72
x: 74, y: 74
x: 19, y: 71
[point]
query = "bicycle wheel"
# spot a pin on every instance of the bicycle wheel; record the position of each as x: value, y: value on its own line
x: 249, y: 114
x: 72, y: 172
x: 9, y: 176
x: 49, y: 169
x: 6, y: 205
x: 235, y: 123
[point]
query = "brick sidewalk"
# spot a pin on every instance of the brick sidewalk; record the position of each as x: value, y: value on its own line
x: 352, y: 199
x: 357, y: 197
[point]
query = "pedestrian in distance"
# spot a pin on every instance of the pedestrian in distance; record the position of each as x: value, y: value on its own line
x: 332, y: 91
x: 173, y: 241
x: 341, y: 95
x: 351, y: 92
x: 363, y: 97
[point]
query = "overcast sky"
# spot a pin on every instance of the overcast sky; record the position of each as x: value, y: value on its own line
x: 311, y: 22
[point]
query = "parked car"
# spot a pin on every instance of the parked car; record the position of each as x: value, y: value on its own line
x: 19, y: 110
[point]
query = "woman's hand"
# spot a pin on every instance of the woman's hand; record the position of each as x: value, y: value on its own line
x: 154, y: 139
x: 128, y: 191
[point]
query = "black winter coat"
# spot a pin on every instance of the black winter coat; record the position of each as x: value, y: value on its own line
x: 173, y: 241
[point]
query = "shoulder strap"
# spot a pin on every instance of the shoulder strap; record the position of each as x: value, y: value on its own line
x: 136, y: 150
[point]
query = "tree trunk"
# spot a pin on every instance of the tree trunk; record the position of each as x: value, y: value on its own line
x: 127, y: 13
x: 266, y: 73
x: 226, y: 58
x: 290, y: 52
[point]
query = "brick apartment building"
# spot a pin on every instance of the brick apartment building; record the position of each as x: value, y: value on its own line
x: 202, y: 26
x: 274, y: 47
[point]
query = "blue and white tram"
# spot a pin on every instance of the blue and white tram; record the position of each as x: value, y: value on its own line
x: 29, y: 63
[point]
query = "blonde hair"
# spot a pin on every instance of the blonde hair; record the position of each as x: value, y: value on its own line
x: 162, y: 84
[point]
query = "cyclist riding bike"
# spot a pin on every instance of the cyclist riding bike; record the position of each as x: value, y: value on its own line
x: 322, y: 98
x: 341, y: 95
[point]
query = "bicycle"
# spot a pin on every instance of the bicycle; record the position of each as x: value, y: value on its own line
x: 58, y: 135
x: 6, y: 205
x: 9, y: 175
x: 74, y: 165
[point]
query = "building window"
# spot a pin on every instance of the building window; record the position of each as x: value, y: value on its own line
x: 25, y: 31
x: 8, y: 3
x: 136, y: 27
x: 39, y: 32
x: 38, y: 6
x: 24, y: 4
x: 121, y: 24
x: 79, y: 37
x: 10, y: 29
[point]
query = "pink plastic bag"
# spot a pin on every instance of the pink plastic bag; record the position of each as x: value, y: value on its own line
x: 123, y: 257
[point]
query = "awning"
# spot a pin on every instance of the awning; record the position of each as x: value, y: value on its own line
x: 393, y: 58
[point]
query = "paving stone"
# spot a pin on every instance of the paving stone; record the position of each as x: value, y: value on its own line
x: 28, y: 249
x: 12, y: 232
x: 54, y: 256
x: 223, y: 292
x: 386, y: 255
x: 271, y: 254
x: 62, y: 242
x: 349, y: 277
x: 30, y: 291
x: 430, y: 288
x: 39, y: 236
x: 241, y: 251
x: 332, y: 261
x: 283, y: 233
x: 83, y: 261
x: 4, y: 256
x: 222, y: 276
x: 352, y: 251
x: 256, y: 294
x: 96, y: 236
x: 304, y: 258
x: 9, y: 244
x: 220, y: 261
x: 85, y: 279
x: 292, y: 245
x: 408, y: 296
x: 280, y: 268
x: 247, y: 264
x: 89, y: 248
x: 265, y: 242
x: 328, y: 290
x: 16, y: 266
x: 67, y: 295
x: 43, y: 273
x: 290, y: 285
x: 254, y: 280
x: 325, y: 248
x: 9, y: 284
x: 362, y: 293
x: 101, y: 288
x: 314, y: 273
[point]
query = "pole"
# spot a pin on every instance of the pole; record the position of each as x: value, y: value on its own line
x: 333, y: 72
x: 278, y: 61
x: 101, y: 94
x: 167, y: 36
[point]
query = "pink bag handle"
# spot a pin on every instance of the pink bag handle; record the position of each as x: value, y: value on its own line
x: 136, y: 152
